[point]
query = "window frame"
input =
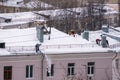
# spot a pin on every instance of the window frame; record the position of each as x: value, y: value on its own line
x: 91, y: 68
x: 51, y: 71
x: 7, y: 72
x: 71, y: 69
x: 29, y: 71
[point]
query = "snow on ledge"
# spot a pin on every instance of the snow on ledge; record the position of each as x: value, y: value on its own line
x: 4, y: 52
x: 75, y: 50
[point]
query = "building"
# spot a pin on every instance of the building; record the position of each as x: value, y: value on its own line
x: 18, y: 20
x: 14, y: 6
x: 8, y: 6
x: 59, y: 56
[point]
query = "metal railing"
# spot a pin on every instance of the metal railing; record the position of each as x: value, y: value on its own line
x: 32, y: 48
x: 114, y: 45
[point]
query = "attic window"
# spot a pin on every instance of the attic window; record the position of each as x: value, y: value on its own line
x: 2, y: 45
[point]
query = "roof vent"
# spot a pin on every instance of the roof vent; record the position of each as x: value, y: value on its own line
x: 2, y: 45
x: 105, y: 28
x: 104, y: 42
x: 85, y: 35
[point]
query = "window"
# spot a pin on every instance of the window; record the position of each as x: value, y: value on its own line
x: 8, y: 73
x: 91, y: 68
x: 29, y: 71
x: 51, y: 73
x: 71, y: 68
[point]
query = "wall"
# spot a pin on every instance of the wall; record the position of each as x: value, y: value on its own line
x: 10, y: 9
x: 103, y: 67
x: 19, y: 65
x: 102, y: 61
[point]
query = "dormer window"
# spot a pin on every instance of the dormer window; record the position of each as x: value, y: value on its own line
x: 2, y: 45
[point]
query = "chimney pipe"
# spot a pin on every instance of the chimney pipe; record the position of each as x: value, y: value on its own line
x: 40, y: 33
x: 105, y: 28
x: 103, y: 41
x: 85, y: 35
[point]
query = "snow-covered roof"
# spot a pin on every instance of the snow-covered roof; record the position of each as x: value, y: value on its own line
x: 13, y: 3
x: 37, y: 3
x: 27, y: 37
x: 24, y: 41
x: 76, y: 50
x: 4, y: 52
x: 20, y: 15
x: 31, y: 4
x: 19, y: 18
x: 19, y: 37
x: 113, y: 36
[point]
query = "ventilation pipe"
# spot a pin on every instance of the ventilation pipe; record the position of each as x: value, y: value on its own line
x: 103, y: 41
x: 85, y: 35
x: 105, y: 28
x: 40, y: 33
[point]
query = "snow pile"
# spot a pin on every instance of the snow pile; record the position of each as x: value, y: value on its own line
x: 76, y: 50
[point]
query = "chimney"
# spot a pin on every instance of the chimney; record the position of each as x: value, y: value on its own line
x: 2, y: 44
x: 105, y: 28
x: 85, y: 35
x: 40, y: 33
x: 103, y: 41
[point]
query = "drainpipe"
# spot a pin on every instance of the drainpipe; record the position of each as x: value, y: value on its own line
x: 119, y: 12
x: 114, y: 55
x: 42, y: 65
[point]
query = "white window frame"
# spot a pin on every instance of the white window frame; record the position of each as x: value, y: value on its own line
x: 70, y: 68
x: 91, y: 73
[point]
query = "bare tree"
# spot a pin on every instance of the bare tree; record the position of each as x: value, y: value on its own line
x: 95, y: 14
x: 68, y: 17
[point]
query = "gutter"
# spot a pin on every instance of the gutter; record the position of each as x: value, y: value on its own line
x: 116, y: 72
